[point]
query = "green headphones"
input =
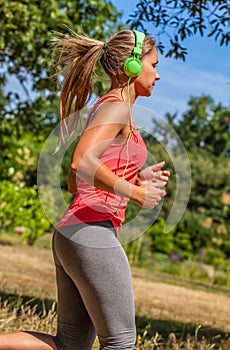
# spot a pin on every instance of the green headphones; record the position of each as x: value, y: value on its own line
x: 133, y: 66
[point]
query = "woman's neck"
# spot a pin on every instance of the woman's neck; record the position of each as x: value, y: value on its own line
x: 127, y: 94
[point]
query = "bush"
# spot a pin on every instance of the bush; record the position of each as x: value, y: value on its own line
x: 160, y: 241
x: 21, y: 211
x: 214, y: 256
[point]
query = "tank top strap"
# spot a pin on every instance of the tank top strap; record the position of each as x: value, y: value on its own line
x: 99, y: 102
x: 106, y: 96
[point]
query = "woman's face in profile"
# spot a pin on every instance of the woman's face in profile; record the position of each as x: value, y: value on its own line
x: 145, y: 82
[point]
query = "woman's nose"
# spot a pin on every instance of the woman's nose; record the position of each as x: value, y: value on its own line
x: 157, y: 76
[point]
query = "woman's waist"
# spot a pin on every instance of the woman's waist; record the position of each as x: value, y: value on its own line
x: 99, y: 200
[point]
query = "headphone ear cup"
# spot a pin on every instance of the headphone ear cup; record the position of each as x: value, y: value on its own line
x: 132, y: 67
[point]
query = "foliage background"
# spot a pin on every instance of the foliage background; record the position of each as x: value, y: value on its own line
x: 202, y: 235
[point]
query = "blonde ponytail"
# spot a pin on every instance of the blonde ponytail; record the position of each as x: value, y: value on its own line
x: 76, y: 57
x: 79, y: 55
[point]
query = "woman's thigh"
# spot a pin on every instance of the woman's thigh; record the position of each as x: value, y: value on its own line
x: 96, y: 263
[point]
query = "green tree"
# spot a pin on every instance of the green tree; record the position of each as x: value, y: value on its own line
x: 25, y: 55
x: 29, y: 109
x: 204, y: 126
x: 180, y: 19
x: 204, y: 131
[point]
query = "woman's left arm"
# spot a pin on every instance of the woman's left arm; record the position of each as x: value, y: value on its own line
x: 153, y: 173
x: 72, y: 182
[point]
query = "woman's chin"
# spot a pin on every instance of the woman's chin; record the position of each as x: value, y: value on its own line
x: 148, y: 93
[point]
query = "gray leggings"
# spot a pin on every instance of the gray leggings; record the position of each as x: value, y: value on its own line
x: 95, y: 294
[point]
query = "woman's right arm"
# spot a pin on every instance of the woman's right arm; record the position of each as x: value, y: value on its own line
x: 86, y: 163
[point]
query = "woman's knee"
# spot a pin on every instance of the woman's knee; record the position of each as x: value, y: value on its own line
x: 74, y: 337
x: 124, y: 340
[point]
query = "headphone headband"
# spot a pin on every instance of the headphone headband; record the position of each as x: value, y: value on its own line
x: 139, y: 38
x: 133, y: 66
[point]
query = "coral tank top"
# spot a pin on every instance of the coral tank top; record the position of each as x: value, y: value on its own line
x: 92, y: 204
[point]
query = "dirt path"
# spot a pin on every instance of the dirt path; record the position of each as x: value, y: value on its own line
x: 29, y: 271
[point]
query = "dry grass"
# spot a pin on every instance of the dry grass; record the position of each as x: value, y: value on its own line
x: 179, y: 304
x: 162, y: 308
x: 23, y: 317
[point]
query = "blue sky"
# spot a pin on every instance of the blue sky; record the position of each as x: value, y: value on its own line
x: 205, y: 71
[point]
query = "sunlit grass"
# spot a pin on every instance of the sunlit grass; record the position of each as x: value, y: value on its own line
x: 16, y: 316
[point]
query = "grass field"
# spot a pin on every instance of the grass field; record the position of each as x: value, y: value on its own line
x: 171, y: 313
